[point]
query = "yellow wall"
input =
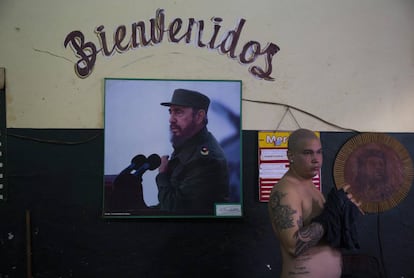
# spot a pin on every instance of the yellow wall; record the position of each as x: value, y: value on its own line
x: 342, y: 63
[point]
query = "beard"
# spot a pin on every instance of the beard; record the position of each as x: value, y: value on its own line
x: 184, y: 134
x: 176, y: 140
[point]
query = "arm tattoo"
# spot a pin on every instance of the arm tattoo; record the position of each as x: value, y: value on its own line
x: 307, y: 236
x: 281, y: 214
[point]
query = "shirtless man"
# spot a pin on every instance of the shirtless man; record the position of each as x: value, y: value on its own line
x: 293, y: 203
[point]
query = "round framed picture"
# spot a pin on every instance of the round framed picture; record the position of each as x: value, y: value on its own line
x: 378, y: 169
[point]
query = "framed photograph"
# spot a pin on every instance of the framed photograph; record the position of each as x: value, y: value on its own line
x: 172, y: 148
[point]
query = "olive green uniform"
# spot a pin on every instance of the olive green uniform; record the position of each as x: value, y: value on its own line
x: 197, y: 177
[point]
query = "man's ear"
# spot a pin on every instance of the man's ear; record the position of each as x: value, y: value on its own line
x: 201, y: 114
x: 289, y: 155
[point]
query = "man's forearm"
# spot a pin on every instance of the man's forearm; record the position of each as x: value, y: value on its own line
x: 307, y: 236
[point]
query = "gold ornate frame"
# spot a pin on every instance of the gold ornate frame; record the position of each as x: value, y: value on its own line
x: 378, y: 168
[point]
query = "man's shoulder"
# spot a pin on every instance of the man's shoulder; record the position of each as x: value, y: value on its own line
x: 287, y: 184
x: 287, y: 188
x: 209, y: 147
x: 202, y: 151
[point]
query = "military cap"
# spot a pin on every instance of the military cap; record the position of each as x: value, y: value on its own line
x: 188, y: 98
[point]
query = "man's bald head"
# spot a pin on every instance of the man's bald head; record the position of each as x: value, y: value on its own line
x: 296, y: 138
